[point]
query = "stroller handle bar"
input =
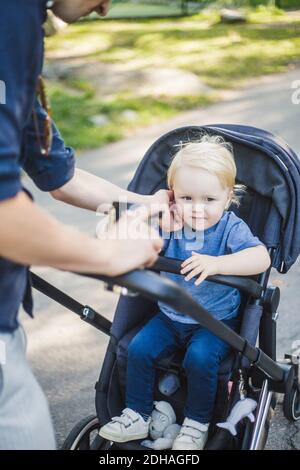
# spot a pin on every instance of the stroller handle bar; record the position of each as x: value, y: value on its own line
x: 245, y: 284
x: 155, y: 287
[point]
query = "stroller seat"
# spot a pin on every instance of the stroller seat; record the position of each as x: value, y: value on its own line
x: 256, y: 209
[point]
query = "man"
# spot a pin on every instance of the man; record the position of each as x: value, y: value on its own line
x: 28, y: 234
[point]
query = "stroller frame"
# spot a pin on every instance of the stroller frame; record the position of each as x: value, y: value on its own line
x: 257, y: 366
x: 269, y: 375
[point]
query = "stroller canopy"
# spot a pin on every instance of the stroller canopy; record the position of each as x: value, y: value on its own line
x: 265, y: 164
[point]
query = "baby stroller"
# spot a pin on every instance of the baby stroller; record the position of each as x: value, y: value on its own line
x: 271, y: 172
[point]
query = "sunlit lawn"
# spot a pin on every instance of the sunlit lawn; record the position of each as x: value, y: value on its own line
x: 222, y: 56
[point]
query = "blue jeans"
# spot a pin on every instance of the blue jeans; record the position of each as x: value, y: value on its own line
x: 204, y: 353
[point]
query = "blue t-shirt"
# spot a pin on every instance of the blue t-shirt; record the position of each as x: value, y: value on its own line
x: 229, y: 235
x: 21, y: 60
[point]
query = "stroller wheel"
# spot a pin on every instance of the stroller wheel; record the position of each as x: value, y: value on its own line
x: 84, y: 436
x: 291, y: 404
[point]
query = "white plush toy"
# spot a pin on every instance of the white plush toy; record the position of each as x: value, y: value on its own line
x: 242, y: 409
x: 163, y: 428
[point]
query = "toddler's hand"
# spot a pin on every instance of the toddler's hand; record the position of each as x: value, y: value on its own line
x: 160, y: 203
x: 204, y: 265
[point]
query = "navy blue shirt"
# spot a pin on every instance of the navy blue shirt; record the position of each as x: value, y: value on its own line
x: 230, y: 235
x: 21, y: 60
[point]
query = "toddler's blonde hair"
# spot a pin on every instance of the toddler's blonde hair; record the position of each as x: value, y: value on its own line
x: 211, y: 153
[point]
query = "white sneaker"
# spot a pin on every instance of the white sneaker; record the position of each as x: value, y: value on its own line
x: 127, y: 427
x: 192, y: 436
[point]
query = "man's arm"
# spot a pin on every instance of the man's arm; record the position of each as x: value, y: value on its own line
x: 28, y: 235
x: 88, y: 191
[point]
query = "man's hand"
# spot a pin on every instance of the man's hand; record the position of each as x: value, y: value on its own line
x: 162, y: 196
x: 172, y: 219
x: 158, y: 202
x: 133, y: 242
x: 163, y: 202
x: 204, y: 265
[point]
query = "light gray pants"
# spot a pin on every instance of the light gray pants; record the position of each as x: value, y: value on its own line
x: 25, y: 421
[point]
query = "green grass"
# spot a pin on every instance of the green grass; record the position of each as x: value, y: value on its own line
x: 222, y: 56
x: 72, y: 114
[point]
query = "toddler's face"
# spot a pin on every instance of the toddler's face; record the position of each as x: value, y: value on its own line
x: 200, y: 197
